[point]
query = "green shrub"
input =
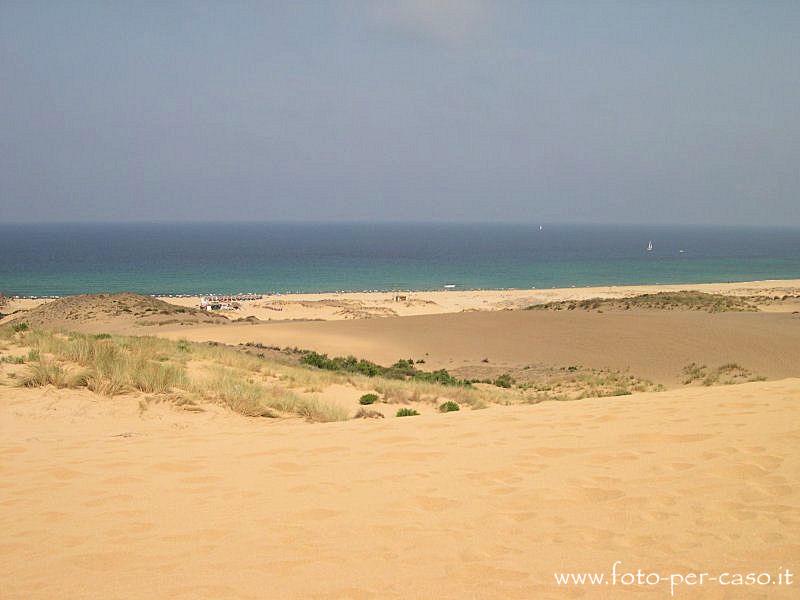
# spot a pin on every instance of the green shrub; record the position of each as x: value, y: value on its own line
x: 504, y: 381
x: 368, y: 399
x: 402, y: 369
x: 449, y: 406
x: 406, y: 412
x: 18, y: 327
x: 102, y: 336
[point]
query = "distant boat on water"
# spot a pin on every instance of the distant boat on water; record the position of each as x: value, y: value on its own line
x: 650, y: 246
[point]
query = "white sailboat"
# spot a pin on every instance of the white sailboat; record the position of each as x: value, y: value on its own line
x: 650, y: 246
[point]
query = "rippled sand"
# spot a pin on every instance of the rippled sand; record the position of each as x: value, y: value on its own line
x: 101, y: 500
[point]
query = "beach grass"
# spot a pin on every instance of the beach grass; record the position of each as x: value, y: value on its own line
x: 725, y: 374
x: 188, y: 372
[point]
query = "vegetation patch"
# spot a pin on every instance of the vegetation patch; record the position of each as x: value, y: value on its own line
x: 187, y: 373
x: 539, y: 383
x: 449, y: 406
x: 45, y: 372
x: 111, y: 365
x: 727, y: 374
x: 144, y: 310
x: 402, y: 369
x: 367, y: 399
x: 405, y: 391
x: 13, y: 359
x: 683, y: 300
x: 504, y: 381
x: 366, y: 413
x: 406, y: 412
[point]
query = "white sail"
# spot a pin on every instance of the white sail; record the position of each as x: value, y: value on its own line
x: 650, y: 246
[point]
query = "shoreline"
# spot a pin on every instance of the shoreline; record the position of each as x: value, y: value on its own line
x: 792, y: 282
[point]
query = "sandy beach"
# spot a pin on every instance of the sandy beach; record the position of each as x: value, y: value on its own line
x: 355, y: 305
x: 141, y: 493
x: 103, y: 501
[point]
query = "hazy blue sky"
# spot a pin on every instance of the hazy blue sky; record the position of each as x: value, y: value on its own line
x: 678, y: 112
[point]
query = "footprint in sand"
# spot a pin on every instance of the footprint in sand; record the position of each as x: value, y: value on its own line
x: 395, y: 439
x: 744, y: 470
x: 53, y: 516
x: 288, y: 467
x: 680, y: 466
x: 201, y: 479
x: 318, y: 514
x: 177, y: 467
x: 434, y: 503
x: 105, y: 500
x: 594, y: 494
x: 558, y: 452
x: 767, y: 461
x: 660, y: 438
x: 130, y: 529
x: 330, y: 450
x: 62, y: 474
x: 122, y: 479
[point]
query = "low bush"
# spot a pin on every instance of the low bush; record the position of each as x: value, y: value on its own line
x: 367, y: 399
x: 504, y: 381
x: 402, y: 369
x: 406, y: 412
x: 449, y: 406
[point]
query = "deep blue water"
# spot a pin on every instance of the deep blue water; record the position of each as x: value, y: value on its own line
x: 260, y: 257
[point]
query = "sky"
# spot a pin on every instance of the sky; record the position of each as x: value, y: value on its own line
x: 411, y: 110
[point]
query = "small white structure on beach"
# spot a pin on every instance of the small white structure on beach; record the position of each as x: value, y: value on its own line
x: 210, y: 303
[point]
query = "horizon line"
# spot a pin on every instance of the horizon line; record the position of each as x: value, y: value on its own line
x: 554, y: 223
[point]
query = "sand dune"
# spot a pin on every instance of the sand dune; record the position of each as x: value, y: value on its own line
x: 357, y: 305
x: 131, y: 497
x: 651, y: 344
x: 108, y: 312
x: 101, y: 500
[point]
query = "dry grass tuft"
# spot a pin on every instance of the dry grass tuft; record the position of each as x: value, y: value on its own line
x: 181, y: 371
x: 727, y: 374
x: 235, y: 392
x: 366, y: 413
x: 46, y: 372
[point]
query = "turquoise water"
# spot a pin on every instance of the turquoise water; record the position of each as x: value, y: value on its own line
x: 269, y: 257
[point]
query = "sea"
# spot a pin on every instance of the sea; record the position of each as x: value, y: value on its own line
x: 202, y: 258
